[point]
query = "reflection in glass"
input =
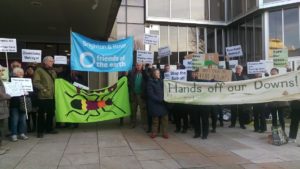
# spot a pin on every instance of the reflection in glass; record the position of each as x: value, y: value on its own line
x: 291, y: 31
x: 180, y: 9
x: 198, y: 9
x: 159, y: 8
x: 258, y: 37
x: 210, y: 40
x: 275, y: 31
x: 217, y: 10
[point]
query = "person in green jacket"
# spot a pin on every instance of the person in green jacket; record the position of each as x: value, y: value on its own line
x: 43, y: 81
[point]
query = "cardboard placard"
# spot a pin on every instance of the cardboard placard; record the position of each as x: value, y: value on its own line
x: 211, y: 59
x: 60, y: 60
x: 8, y: 45
x: 151, y: 39
x: 26, y: 83
x: 164, y: 51
x: 144, y: 57
x: 234, y: 51
x: 215, y: 74
x: 13, y: 89
x: 256, y: 67
x: 280, y: 58
x: 29, y: 55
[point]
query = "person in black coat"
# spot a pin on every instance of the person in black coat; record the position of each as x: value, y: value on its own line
x: 156, y: 105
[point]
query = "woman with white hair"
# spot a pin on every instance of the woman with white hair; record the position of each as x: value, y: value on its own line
x: 17, y: 116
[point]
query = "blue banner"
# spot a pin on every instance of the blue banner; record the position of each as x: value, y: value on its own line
x: 97, y: 56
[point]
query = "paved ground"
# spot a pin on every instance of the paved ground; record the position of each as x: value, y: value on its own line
x: 108, y: 146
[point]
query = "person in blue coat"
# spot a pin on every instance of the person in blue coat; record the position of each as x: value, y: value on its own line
x: 156, y: 105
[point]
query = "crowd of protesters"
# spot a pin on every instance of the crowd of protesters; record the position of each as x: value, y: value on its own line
x: 145, y: 85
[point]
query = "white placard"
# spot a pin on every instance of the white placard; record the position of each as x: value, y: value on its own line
x: 179, y: 75
x: 151, y: 39
x: 188, y: 64
x: 8, y: 45
x: 256, y: 67
x: 60, y: 60
x: 232, y: 64
x: 81, y: 86
x: 29, y: 55
x: 234, y: 51
x: 164, y: 51
x: 13, y: 89
x: 25, y: 83
x: 167, y: 76
x: 144, y: 57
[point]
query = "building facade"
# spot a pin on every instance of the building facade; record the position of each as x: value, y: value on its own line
x: 208, y: 26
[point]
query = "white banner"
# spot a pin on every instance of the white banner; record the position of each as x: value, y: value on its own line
x: 256, y: 67
x: 164, y: 51
x: 180, y: 75
x: 8, y: 45
x: 25, y: 83
x: 29, y: 55
x: 151, y: 39
x: 144, y: 57
x: 275, y: 88
x: 188, y: 64
x: 234, y: 51
x: 60, y: 60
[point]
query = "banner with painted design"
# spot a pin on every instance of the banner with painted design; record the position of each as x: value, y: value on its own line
x: 275, y: 88
x: 77, y: 105
x: 98, y: 56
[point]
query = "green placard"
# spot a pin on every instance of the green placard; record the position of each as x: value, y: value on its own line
x: 280, y: 57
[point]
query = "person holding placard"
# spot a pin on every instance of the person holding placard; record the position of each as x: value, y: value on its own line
x: 17, y: 112
x: 4, y: 112
x: 43, y: 81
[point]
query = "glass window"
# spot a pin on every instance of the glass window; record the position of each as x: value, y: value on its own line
x: 198, y: 9
x: 135, y: 2
x: 217, y: 10
x: 164, y: 41
x: 192, y: 41
x: 249, y: 41
x: 235, y: 37
x: 159, y: 8
x: 121, y: 17
x: 275, y: 31
x: 229, y: 10
x: 173, y: 38
x: 182, y: 45
x: 201, y: 40
x: 210, y: 40
x: 251, y: 4
x: 238, y: 7
x: 123, y: 2
x: 258, y: 37
x: 135, y: 15
x: 180, y: 9
x: 291, y: 31
x: 121, y: 33
x: 220, y: 42
x: 136, y: 30
x: 154, y: 47
x: 242, y: 40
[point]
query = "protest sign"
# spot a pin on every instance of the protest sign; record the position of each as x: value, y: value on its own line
x: 26, y: 83
x: 234, y: 51
x: 211, y: 59
x: 98, y: 56
x: 151, y: 39
x: 8, y: 45
x: 188, y: 64
x: 85, y: 106
x: 198, y: 61
x: 144, y: 57
x: 256, y: 67
x: 164, y: 51
x: 280, y: 57
x: 232, y: 64
x: 215, y: 74
x: 283, y: 87
x: 60, y: 60
x: 13, y: 89
x: 180, y: 75
x: 29, y: 55
x: 167, y: 76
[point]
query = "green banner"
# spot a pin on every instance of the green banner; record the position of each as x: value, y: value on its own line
x: 83, y: 106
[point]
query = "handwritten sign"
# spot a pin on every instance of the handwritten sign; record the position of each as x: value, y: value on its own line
x: 234, y: 51
x: 60, y: 60
x: 198, y: 61
x: 144, y: 56
x: 215, y: 74
x: 25, y: 83
x: 188, y: 64
x: 256, y: 67
x: 151, y: 39
x: 164, y: 51
x: 280, y: 57
x: 8, y: 45
x: 13, y: 89
x: 29, y: 55
x: 178, y: 75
